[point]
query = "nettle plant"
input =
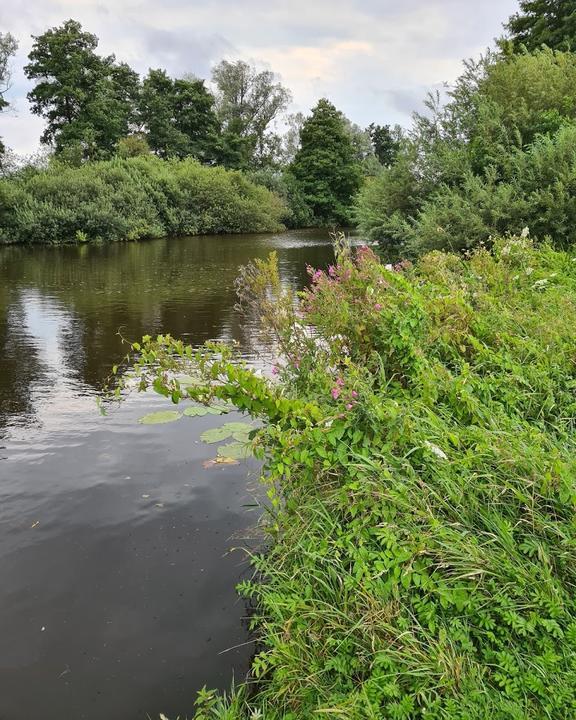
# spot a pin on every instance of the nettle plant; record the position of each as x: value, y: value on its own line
x: 418, y: 442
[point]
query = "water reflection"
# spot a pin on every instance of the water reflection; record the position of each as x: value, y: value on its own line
x: 117, y: 596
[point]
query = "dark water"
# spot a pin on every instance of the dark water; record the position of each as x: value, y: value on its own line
x: 117, y: 568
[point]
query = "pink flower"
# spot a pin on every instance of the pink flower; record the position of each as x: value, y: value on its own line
x: 340, y: 381
x: 317, y: 275
x: 335, y: 392
x: 349, y: 406
x: 275, y: 370
x: 377, y: 307
x: 331, y: 271
x: 354, y: 394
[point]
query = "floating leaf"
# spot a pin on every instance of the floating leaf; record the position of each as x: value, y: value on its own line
x: 215, y: 434
x: 219, y: 461
x: 242, y: 437
x: 235, y: 450
x: 196, y: 411
x: 220, y: 409
x: 158, y: 418
x: 238, y: 427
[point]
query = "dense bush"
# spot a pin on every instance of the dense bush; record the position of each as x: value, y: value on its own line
x: 496, y: 157
x: 128, y: 199
x: 420, y: 457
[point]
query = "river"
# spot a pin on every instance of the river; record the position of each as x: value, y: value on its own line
x: 117, y: 560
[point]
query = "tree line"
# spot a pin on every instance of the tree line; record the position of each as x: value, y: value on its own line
x: 96, y: 107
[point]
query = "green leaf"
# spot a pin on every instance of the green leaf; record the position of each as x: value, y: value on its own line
x: 238, y: 427
x: 235, y: 450
x: 159, y: 418
x: 215, y: 435
x: 196, y: 411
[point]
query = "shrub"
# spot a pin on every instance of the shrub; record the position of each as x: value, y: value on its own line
x: 496, y: 157
x: 129, y: 199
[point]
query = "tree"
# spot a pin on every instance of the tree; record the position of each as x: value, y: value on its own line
x: 178, y: 117
x: 8, y: 47
x: 384, y: 143
x: 543, y: 22
x: 247, y: 103
x: 86, y: 99
x: 325, y: 168
x: 495, y: 158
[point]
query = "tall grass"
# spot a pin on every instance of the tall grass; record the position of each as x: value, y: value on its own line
x: 129, y: 199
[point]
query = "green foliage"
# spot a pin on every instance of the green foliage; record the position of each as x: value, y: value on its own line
x: 325, y: 168
x: 493, y: 159
x: 179, y: 117
x: 385, y: 143
x: 419, y: 454
x: 132, y: 146
x: 248, y: 101
x: 84, y: 98
x: 542, y: 22
x: 129, y: 199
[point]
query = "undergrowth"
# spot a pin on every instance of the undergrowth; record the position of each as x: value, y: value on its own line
x: 420, y: 456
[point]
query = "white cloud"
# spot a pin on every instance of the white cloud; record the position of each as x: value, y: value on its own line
x: 372, y: 58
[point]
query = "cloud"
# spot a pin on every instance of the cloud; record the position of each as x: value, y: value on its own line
x: 375, y: 59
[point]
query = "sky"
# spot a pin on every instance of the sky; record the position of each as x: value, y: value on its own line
x: 374, y: 59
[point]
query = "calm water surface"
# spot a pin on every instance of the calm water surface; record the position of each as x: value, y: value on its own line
x: 117, y: 568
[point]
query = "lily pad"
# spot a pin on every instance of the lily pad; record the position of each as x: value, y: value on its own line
x: 219, y: 461
x: 159, y: 418
x: 215, y: 434
x: 238, y: 426
x: 242, y: 437
x: 219, y: 409
x: 235, y: 450
x: 196, y: 411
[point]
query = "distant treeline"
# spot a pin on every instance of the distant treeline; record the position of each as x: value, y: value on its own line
x: 96, y: 108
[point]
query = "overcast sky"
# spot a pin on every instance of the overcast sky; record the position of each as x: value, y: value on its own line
x: 375, y: 59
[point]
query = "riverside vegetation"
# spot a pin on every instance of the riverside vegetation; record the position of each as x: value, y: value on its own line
x: 129, y: 199
x: 418, y: 433
x: 419, y: 456
x: 102, y: 121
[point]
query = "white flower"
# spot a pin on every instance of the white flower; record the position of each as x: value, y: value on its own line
x: 436, y: 450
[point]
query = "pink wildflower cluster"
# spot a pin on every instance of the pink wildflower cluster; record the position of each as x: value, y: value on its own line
x: 337, y: 391
x: 365, y: 254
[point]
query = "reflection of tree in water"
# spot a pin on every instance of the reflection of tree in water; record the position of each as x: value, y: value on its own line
x: 181, y: 286
x: 19, y: 363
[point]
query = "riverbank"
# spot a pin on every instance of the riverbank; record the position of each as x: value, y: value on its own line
x: 132, y: 199
x: 420, y: 460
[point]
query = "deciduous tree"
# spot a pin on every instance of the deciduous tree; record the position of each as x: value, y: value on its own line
x: 85, y: 99
x: 543, y: 22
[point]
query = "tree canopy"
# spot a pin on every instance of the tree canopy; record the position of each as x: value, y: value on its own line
x: 543, y: 22
x: 178, y: 116
x: 247, y: 102
x: 85, y: 98
x: 325, y: 167
x: 496, y: 157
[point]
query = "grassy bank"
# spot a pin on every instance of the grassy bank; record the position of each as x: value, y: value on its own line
x: 420, y: 457
x: 132, y: 199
